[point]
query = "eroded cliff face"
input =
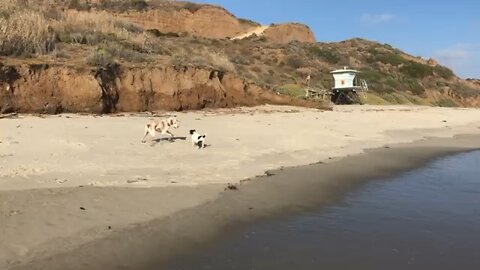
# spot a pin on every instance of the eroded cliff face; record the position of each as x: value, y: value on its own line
x: 207, y: 21
x: 213, y: 22
x: 285, y: 33
x: 55, y: 89
x: 40, y: 88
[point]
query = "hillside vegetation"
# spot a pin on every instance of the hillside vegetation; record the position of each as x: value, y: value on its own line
x: 95, y: 34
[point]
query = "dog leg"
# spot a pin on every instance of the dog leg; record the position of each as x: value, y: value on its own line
x: 144, y: 136
x: 170, y: 134
x: 149, y: 130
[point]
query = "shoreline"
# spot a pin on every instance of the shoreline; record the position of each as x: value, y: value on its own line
x: 152, y: 244
x: 95, y: 204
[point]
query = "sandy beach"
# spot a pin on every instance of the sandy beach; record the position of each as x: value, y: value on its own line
x: 67, y: 181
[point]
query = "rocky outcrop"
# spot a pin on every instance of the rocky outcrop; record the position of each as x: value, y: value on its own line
x: 55, y: 89
x: 432, y: 62
x: 285, y: 33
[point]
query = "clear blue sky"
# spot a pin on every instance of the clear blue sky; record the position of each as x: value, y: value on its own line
x: 446, y: 30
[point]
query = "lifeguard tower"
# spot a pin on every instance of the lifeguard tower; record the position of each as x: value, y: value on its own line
x: 347, y: 86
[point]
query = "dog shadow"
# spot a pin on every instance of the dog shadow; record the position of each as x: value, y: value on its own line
x: 205, y: 146
x: 169, y: 139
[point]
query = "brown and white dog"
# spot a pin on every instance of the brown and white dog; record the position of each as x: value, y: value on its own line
x: 153, y: 127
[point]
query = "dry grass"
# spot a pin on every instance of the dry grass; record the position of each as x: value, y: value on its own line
x: 76, y: 26
x: 23, y: 31
x: 203, y: 56
x: 9, y: 5
x: 219, y: 60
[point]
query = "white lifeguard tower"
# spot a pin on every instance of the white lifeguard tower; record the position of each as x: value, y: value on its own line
x: 347, y: 86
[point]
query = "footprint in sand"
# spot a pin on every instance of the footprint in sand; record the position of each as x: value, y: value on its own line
x: 60, y: 181
x: 22, y: 171
x: 137, y: 179
x: 14, y: 213
x: 72, y: 144
x: 95, y: 184
x: 8, y: 140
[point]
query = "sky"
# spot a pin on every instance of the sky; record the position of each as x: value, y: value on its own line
x: 446, y: 30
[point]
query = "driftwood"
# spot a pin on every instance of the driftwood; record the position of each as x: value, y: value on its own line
x: 8, y: 115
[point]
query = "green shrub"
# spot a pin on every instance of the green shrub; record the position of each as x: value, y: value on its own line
x: 247, y: 21
x: 378, y: 81
x: 392, y: 82
x: 107, y: 52
x: 122, y: 6
x: 4, y: 14
x: 416, y: 70
x: 394, y: 98
x: 415, y: 87
x: 158, y: 33
x: 87, y: 37
x: 465, y: 91
x: 256, y: 69
x: 293, y: 90
x: 417, y: 100
x: 295, y: 62
x: 52, y: 14
x: 240, y: 59
x: 100, y: 58
x: 130, y: 27
x: 192, y: 7
x: 78, y: 5
x: 393, y: 59
x: 372, y: 75
x: 328, y: 55
x: 443, y: 72
x: 373, y: 99
x: 123, y: 51
x: 445, y: 102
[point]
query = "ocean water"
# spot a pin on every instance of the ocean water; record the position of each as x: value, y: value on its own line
x: 427, y: 218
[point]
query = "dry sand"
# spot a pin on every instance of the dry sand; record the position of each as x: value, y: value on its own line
x: 52, y: 169
x: 256, y: 31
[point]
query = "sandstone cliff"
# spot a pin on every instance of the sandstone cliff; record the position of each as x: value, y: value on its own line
x: 206, y: 21
x: 55, y: 89
x: 210, y: 22
x: 285, y: 33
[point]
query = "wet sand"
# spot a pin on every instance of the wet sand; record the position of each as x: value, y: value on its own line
x: 423, y: 218
x: 283, y: 192
x: 84, y: 186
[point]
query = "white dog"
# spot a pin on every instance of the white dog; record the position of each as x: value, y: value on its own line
x: 197, y: 139
x: 162, y: 127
